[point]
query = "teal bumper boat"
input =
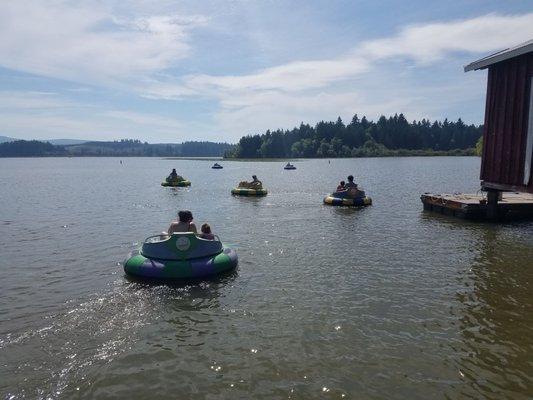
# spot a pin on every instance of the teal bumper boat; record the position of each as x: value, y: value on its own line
x: 180, y: 256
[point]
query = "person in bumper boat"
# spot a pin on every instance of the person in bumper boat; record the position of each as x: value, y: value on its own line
x: 255, y: 184
x: 351, y: 188
x: 350, y: 184
x: 174, y: 176
x: 183, y: 224
x: 206, y: 232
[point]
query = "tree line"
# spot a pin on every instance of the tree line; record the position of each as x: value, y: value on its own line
x: 119, y: 148
x: 362, y: 138
x: 30, y: 148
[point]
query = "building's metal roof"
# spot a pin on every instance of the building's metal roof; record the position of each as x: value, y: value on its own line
x: 511, y: 52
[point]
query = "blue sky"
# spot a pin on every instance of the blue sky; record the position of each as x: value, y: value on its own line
x: 169, y: 71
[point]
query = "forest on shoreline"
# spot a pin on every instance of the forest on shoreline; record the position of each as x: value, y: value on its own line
x: 393, y: 136
x: 120, y: 148
x: 388, y: 137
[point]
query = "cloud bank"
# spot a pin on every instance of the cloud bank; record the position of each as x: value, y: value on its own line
x: 86, y: 43
x: 283, y: 95
x: 141, y: 55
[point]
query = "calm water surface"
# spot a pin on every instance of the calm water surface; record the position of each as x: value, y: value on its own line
x: 386, y: 302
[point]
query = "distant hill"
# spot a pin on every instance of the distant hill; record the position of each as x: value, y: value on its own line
x: 58, y: 142
x: 136, y: 148
x: 65, y: 142
x: 4, y: 139
x: 121, y: 148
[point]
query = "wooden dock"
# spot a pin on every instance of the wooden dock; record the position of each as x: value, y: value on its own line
x: 475, y: 206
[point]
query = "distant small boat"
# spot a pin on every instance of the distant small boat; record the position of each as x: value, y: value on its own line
x: 217, y: 166
x: 289, y: 166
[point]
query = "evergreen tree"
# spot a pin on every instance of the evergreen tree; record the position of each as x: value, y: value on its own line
x: 388, y: 136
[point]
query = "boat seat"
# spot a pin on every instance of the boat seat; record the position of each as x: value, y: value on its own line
x: 180, y: 246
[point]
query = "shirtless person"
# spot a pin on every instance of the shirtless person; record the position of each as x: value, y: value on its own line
x: 351, y: 187
x: 350, y: 184
x: 184, y: 223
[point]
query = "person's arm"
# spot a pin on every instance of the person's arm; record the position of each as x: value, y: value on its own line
x: 171, y: 228
x: 192, y: 228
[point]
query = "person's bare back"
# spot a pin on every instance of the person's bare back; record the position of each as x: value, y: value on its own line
x: 183, y: 224
x: 176, y: 227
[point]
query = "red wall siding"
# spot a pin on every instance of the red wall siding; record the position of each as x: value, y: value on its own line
x: 506, y: 117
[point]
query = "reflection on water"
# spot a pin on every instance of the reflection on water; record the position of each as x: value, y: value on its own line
x: 253, y: 200
x: 497, y: 318
x: 49, y: 359
x: 383, y: 302
x: 58, y: 361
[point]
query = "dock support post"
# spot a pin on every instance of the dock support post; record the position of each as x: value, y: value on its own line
x: 492, y: 203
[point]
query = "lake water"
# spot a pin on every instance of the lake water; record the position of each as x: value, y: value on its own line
x: 386, y: 302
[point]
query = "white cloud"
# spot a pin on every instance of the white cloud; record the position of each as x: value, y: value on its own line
x: 88, y: 43
x: 41, y: 115
x: 421, y: 43
x: 431, y: 42
x: 289, y: 77
x: 31, y: 100
x: 257, y: 112
x: 85, y: 42
x: 140, y: 119
x: 284, y: 95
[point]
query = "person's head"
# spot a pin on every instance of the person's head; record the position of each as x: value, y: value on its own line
x: 173, y: 169
x: 185, y: 216
x: 206, y: 228
x: 343, y: 183
x: 350, y: 178
x: 254, y: 177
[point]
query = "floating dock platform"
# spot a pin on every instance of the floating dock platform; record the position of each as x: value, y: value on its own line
x: 476, y: 206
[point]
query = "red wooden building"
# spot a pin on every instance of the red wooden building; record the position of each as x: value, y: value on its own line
x: 506, y: 163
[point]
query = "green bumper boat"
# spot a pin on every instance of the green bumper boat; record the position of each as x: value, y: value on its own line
x: 240, y: 191
x: 180, y: 256
x: 176, y: 183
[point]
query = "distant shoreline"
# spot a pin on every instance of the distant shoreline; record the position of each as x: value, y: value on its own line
x: 120, y: 157
x: 387, y: 154
x: 294, y: 159
x: 123, y: 148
